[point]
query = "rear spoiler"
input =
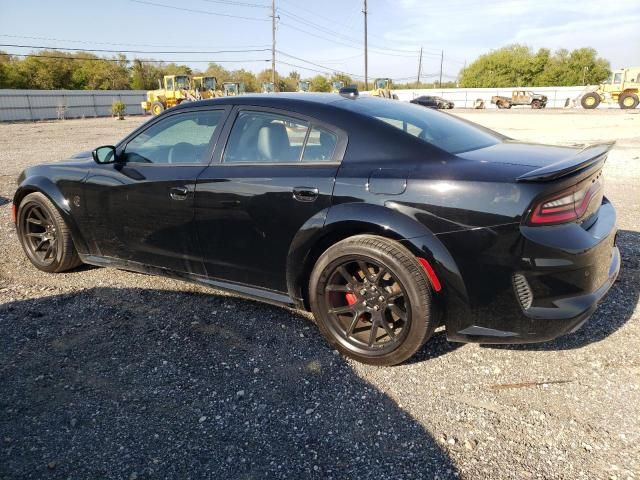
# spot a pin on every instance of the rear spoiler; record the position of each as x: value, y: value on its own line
x: 585, y: 158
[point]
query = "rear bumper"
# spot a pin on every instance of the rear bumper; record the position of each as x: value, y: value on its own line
x: 541, y: 324
x: 566, y: 270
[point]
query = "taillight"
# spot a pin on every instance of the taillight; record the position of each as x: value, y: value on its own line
x: 566, y: 206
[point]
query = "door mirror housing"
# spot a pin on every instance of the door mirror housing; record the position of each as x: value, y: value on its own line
x: 104, y: 154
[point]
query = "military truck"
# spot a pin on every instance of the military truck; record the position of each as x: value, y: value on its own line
x: 621, y: 87
x: 520, y: 97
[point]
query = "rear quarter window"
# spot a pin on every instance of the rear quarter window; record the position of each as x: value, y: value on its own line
x: 439, y: 129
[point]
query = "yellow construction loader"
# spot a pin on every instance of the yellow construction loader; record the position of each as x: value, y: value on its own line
x: 336, y: 86
x: 382, y: 88
x: 174, y: 90
x: 621, y: 87
x: 232, y: 89
x: 268, y: 87
x: 204, y: 87
x: 304, y: 86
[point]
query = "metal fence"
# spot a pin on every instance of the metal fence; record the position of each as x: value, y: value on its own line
x: 18, y: 105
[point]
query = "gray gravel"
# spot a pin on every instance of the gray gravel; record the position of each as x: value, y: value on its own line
x: 109, y: 374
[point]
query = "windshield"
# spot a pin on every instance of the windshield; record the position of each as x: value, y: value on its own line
x: 182, y: 81
x: 436, y: 128
x: 209, y: 83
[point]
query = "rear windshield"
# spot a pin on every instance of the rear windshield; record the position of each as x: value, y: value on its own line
x: 436, y: 128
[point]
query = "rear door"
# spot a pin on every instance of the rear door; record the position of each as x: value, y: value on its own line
x: 141, y: 209
x: 275, y: 171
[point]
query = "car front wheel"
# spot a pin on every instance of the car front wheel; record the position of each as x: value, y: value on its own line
x: 372, y: 300
x: 44, y: 235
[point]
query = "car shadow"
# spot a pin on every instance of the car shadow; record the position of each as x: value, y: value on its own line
x: 614, y: 311
x: 4, y: 200
x: 141, y: 383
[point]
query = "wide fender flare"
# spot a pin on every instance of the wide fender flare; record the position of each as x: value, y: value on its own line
x: 50, y: 190
x: 340, y: 221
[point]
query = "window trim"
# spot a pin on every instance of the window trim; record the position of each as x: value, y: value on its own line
x: 338, y: 152
x: 208, y: 155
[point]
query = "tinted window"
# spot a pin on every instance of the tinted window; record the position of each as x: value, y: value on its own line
x: 181, y: 138
x: 265, y: 137
x: 320, y: 145
x: 439, y: 129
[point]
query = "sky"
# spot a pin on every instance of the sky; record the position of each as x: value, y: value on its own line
x: 327, y: 35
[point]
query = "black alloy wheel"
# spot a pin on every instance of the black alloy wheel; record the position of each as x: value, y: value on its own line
x: 44, y: 235
x: 372, y: 300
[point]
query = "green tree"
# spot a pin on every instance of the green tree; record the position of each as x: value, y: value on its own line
x: 218, y: 71
x: 320, y: 84
x: 246, y: 77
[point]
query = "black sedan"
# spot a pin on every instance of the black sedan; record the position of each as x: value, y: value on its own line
x: 433, y: 102
x: 383, y: 218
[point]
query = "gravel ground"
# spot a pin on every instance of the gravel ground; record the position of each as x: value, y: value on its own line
x: 109, y: 374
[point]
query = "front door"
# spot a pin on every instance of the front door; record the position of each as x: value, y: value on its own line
x: 275, y: 172
x: 144, y: 203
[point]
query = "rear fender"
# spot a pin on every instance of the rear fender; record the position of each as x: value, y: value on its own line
x: 344, y: 220
x: 49, y: 189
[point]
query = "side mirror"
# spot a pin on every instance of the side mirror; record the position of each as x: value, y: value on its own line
x: 104, y: 154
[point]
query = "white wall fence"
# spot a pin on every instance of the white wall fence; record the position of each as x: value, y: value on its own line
x: 466, y: 97
x: 18, y: 105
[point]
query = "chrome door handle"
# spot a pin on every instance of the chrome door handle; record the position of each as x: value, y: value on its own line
x: 305, y: 194
x: 178, y: 193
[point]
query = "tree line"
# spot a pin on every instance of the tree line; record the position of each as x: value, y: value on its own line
x: 514, y: 65
x: 518, y: 65
x: 53, y: 69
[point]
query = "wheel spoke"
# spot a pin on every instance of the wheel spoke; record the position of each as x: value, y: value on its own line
x: 380, y: 275
x: 40, y: 244
x: 337, y: 288
x: 346, y: 275
x: 398, y: 312
x: 352, y: 325
x: 339, y: 310
x: 364, y: 269
x: 41, y: 216
x: 35, y: 235
x: 35, y: 221
x: 387, y: 328
x: 49, y: 252
x: 374, y: 331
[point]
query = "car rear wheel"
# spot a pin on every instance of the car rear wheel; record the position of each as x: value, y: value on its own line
x: 536, y: 104
x: 628, y: 101
x: 44, y: 235
x: 372, y: 300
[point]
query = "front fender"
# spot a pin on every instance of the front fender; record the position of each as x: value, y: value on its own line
x: 344, y: 220
x: 51, y: 190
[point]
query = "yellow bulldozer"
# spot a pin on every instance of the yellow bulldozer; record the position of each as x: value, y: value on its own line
x: 621, y: 87
x: 382, y: 87
x: 174, y: 90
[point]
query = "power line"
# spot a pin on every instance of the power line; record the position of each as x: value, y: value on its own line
x: 238, y: 4
x: 205, y: 12
x: 317, y: 64
x: 112, y: 43
x: 124, y: 60
x: 44, y: 47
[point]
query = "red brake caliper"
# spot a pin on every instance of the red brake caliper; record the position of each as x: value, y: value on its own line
x: 351, y: 298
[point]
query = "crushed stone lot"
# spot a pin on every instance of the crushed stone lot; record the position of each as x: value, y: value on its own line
x: 111, y: 374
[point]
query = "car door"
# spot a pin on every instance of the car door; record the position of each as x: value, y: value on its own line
x: 141, y: 208
x: 275, y: 171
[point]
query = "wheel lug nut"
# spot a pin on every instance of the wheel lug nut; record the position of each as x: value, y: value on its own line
x: 381, y: 298
x: 363, y: 291
x: 376, y: 307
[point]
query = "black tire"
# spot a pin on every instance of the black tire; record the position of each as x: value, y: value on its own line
x: 536, y: 104
x: 402, y: 294
x: 590, y: 100
x: 628, y: 101
x: 157, y: 108
x: 44, y: 235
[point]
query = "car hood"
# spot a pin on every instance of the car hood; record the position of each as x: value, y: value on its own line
x: 521, y: 153
x: 81, y: 155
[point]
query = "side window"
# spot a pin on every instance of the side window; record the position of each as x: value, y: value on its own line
x: 617, y: 78
x: 181, y: 138
x: 320, y: 145
x: 265, y: 137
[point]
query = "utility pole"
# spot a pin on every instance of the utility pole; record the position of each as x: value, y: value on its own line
x: 441, y: 59
x: 419, y: 69
x: 366, y: 53
x: 273, y: 45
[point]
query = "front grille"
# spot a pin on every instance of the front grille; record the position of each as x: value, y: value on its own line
x: 523, y: 290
